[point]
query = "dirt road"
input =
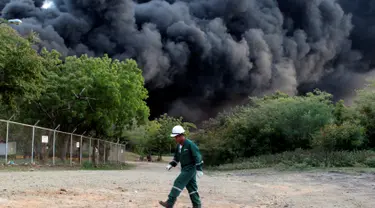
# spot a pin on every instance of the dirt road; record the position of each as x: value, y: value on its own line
x: 148, y: 183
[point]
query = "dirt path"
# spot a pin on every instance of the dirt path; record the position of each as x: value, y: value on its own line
x: 148, y: 183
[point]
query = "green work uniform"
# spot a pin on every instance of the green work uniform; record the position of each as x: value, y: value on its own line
x: 191, y: 162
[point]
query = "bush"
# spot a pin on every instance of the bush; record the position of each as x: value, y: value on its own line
x: 153, y: 137
x: 364, y: 108
x: 348, y: 136
x: 370, y: 162
x: 302, y: 159
x: 267, y: 125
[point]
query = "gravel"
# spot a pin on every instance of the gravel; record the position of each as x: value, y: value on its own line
x: 145, y: 185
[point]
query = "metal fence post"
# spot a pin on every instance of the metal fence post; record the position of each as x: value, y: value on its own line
x: 90, y: 150
x: 6, y: 144
x: 117, y: 145
x: 97, y: 159
x: 54, y: 145
x: 71, y: 147
x: 112, y: 149
x: 80, y: 149
x: 105, y: 145
x: 55, y: 131
x: 32, y: 143
x: 125, y: 151
x: 7, y: 140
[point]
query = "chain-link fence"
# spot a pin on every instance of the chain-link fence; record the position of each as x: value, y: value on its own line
x: 25, y: 144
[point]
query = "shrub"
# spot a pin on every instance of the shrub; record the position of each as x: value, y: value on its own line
x: 370, y: 162
x: 348, y: 136
x: 302, y: 159
x: 267, y: 125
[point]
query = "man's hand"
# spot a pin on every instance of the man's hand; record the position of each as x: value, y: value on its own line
x: 169, y: 166
x: 199, y: 174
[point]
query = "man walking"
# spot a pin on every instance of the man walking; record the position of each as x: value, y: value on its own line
x: 187, y: 153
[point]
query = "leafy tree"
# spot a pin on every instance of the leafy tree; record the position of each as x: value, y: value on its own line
x: 96, y: 95
x: 162, y: 141
x: 344, y: 113
x: 333, y: 137
x: 364, y: 106
x: 154, y: 136
x: 21, y: 68
x: 268, y: 125
x: 347, y: 136
x: 140, y: 136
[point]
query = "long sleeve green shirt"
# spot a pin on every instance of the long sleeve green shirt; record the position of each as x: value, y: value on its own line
x: 188, y: 155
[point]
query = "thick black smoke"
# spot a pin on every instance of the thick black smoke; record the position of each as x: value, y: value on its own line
x: 200, y: 56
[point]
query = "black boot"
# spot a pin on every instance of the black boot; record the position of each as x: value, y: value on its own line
x: 165, y: 204
x: 197, y: 206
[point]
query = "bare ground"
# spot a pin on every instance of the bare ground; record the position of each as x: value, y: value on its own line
x: 149, y: 182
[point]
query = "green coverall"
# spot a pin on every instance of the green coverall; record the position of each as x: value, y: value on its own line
x: 191, y: 162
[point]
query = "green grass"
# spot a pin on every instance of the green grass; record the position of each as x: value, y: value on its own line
x: 304, y: 160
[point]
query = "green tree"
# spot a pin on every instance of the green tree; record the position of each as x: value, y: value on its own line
x: 334, y: 137
x: 162, y: 141
x: 96, y: 95
x: 343, y: 113
x: 154, y: 136
x: 347, y: 136
x: 267, y: 125
x: 364, y: 106
x: 141, y: 136
x: 21, y: 68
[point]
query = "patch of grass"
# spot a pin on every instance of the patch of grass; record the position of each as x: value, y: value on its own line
x: 304, y: 160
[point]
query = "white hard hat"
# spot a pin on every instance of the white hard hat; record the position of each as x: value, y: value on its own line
x: 177, y: 130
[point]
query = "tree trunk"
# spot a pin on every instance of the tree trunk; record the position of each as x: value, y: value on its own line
x: 107, y: 152
x: 64, y: 148
x: 101, y: 153
x: 160, y: 156
x: 93, y: 155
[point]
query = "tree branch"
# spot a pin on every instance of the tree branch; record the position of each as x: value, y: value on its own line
x: 42, y: 109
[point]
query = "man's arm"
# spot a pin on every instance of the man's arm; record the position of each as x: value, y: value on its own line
x: 176, y: 158
x: 197, y: 156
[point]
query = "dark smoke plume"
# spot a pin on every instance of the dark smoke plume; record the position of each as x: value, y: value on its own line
x: 201, y: 56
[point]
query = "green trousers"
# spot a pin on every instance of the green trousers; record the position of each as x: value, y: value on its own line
x: 187, y: 178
